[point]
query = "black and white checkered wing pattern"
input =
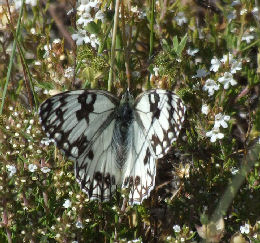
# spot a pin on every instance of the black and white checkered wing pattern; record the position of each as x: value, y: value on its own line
x: 114, y: 142
x: 158, y: 118
x: 160, y: 115
x: 82, y: 122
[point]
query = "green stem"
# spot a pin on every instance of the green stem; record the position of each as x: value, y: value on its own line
x: 151, y: 29
x: 113, y: 46
x: 248, y: 162
x: 11, y: 58
x: 152, y: 5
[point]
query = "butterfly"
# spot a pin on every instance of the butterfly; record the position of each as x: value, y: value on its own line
x: 114, y: 142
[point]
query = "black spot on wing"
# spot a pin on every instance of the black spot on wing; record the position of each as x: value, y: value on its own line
x: 90, y: 155
x: 154, y: 100
x: 86, y: 108
x: 147, y: 156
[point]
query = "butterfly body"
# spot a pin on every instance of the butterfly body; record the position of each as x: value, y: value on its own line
x: 114, y: 143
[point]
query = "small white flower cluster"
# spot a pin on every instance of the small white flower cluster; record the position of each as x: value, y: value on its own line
x: 11, y: 169
x: 176, y: 228
x: 248, y: 35
x: 79, y: 225
x: 220, y: 121
x: 88, y: 11
x: 227, y: 79
x: 245, y: 229
x: 18, y: 3
x: 201, y: 73
x: 138, y: 12
x: 69, y: 72
x: 67, y: 203
x: 47, y: 141
x: 192, y: 52
x: 181, y: 19
x: 135, y: 241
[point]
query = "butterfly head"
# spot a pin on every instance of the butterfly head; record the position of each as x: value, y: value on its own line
x: 127, y: 98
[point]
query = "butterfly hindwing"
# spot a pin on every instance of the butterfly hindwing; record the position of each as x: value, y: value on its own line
x: 140, y: 170
x: 96, y: 170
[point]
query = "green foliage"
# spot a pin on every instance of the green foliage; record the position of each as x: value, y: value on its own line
x: 209, y: 55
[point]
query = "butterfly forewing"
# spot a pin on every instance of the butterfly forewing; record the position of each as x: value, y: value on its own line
x: 81, y: 122
x: 160, y: 115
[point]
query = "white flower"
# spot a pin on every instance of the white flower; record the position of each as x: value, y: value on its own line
x: 37, y: 63
x: 12, y: 170
x: 134, y: 9
x: 227, y: 79
x: 210, y: 86
x: 69, y: 72
x: 67, y: 203
x: 235, y: 3
x: 205, y: 109
x: 247, y: 37
x: 33, y: 3
x: 156, y: 71
x: 18, y: 3
x: 45, y: 169
x: 245, y: 229
x: 192, y: 52
x: 231, y: 16
x: 93, y: 4
x: 80, y: 37
x: 214, y: 134
x: 252, y: 29
x: 79, y: 225
x: 94, y: 41
x: 255, y: 12
x: 215, y: 64
x: 33, y: 31
x: 220, y: 120
x: 32, y: 167
x: 84, y: 19
x: 181, y: 19
x: 99, y: 15
x: 243, y: 11
x: 234, y: 171
x: 176, y: 228
x: 56, y: 41
x: 85, y: 10
x: 201, y: 73
x: 228, y: 57
x: 84, y: 7
x: 135, y: 241
x: 235, y: 66
x: 47, y: 49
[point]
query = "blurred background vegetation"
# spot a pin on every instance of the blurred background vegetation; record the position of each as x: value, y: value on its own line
x: 207, y: 51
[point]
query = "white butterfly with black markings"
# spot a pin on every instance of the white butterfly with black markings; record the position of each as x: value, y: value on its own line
x: 114, y: 143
